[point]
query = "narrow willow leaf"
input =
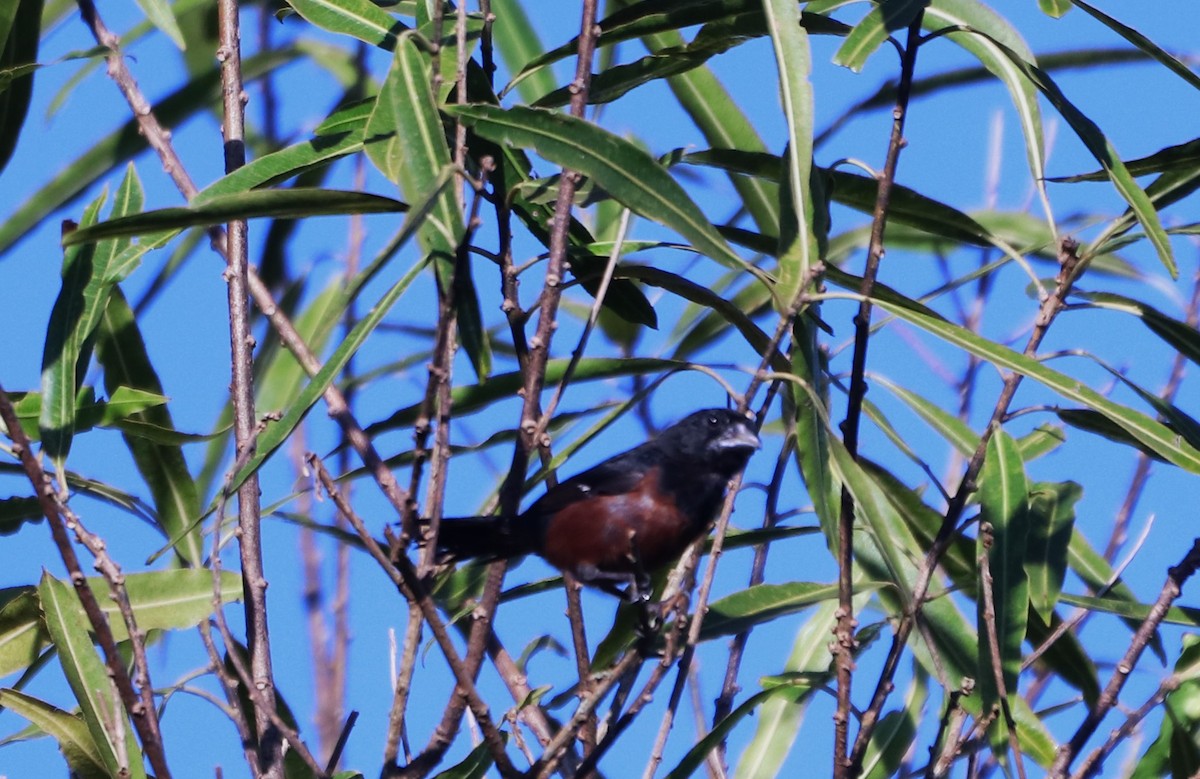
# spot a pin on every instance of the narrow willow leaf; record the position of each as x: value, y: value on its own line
x: 1041, y: 441
x: 359, y: 19
x: 518, y: 43
x: 20, y: 32
x: 893, y: 738
x: 869, y: 34
x: 277, y: 203
x: 160, y: 15
x: 67, y: 729
x: 761, y: 603
x: 15, y: 512
x: 99, y: 701
x: 1052, y: 510
x: 121, y: 352
x: 724, y: 125
x: 405, y: 139
x: 1139, y: 612
x: 320, y: 150
x: 617, y: 165
x: 1004, y: 500
x: 794, y: 689
x: 65, y: 345
x: 78, y: 175
x: 705, y: 297
x: 1097, y: 143
x: 1179, y: 335
x: 992, y: 51
x: 1174, y: 752
x: 1153, y: 434
x: 1055, y: 8
x: 1183, y: 155
x: 800, y: 247
x: 639, y: 19
x: 468, y: 398
x: 779, y: 719
x: 162, y: 600
x: 1160, y: 55
x: 614, y: 82
x: 811, y: 409
x: 957, y: 432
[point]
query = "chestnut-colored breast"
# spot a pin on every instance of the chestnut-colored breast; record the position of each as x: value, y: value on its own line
x: 596, y: 535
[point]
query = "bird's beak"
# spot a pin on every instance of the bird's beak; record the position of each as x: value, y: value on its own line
x: 740, y: 437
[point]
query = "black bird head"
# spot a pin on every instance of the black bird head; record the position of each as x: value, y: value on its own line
x: 718, y: 436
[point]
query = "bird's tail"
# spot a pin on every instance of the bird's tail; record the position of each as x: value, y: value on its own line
x: 490, y: 538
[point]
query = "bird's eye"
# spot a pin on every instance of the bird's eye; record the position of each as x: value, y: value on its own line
x: 713, y: 421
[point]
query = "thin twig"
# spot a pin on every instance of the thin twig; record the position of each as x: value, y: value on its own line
x: 254, y: 581
x: 1069, y: 266
x: 843, y: 646
x: 987, y: 594
x: 1176, y: 576
x: 139, y: 703
x: 405, y: 578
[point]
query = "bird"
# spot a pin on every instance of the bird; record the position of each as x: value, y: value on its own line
x: 619, y: 521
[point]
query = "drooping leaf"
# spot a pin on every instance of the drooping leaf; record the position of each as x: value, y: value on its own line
x: 69, y: 730
x: 99, y: 702
x: 621, y: 168
x: 254, y: 204
x: 20, y: 32
x: 121, y: 352
x: 1052, y: 520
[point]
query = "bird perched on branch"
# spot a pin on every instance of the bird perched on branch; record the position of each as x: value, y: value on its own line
x: 626, y: 517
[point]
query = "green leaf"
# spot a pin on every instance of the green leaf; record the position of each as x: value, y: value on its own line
x: 1183, y: 155
x: 20, y: 32
x: 69, y: 730
x: 161, y: 600
x: 159, y: 13
x: 1163, y: 57
x: 1004, y: 501
x: 122, y: 354
x: 1138, y: 612
x: 320, y: 150
x: 1052, y: 510
x: 779, y: 719
x: 796, y: 687
x: 761, y: 603
x: 518, y: 43
x: 1180, y: 336
x: 65, y: 354
x: 799, y: 244
x: 618, y: 166
x: 724, y: 126
x: 468, y: 398
x: 876, y: 27
x: 99, y: 702
x: 278, y: 203
x: 405, y: 139
x: 1097, y: 143
x: 359, y: 19
x: 893, y: 738
x: 613, y: 82
x: 122, y: 144
x: 1156, y: 436
x: 993, y: 51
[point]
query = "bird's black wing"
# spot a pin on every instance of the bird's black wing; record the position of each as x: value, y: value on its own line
x: 616, y: 476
